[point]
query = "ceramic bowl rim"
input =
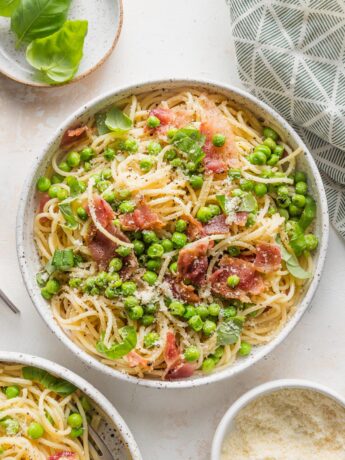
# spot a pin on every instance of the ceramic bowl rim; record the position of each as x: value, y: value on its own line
x: 63, y: 372
x: 229, y: 371
x: 36, y: 84
x: 261, y: 390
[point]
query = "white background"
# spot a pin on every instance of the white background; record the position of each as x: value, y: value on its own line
x: 160, y: 38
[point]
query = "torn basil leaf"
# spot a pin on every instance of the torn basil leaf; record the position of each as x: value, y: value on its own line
x: 248, y: 203
x: 63, y: 259
x: 100, y: 123
x: 66, y: 211
x: 58, y: 385
x: 118, y: 350
x: 117, y: 121
x: 292, y: 263
x: 229, y: 332
x: 190, y: 141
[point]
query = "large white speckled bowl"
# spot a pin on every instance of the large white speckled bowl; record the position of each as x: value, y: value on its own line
x: 28, y: 258
x: 112, y: 429
x: 105, y: 22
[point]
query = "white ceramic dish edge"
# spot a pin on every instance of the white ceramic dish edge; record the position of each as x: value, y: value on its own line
x: 24, y: 219
x: 86, y: 387
x: 261, y: 390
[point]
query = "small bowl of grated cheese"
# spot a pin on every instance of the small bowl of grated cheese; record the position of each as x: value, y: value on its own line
x: 283, y: 420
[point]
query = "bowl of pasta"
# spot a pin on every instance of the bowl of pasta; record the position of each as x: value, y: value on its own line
x: 173, y: 233
x: 48, y: 412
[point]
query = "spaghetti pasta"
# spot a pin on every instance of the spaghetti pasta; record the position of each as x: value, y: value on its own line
x: 185, y: 219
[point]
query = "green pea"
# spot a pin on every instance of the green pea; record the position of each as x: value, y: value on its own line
x: 101, y: 279
x: 102, y: 185
x: 208, y: 365
x: 190, y: 311
x: 271, y: 210
x: 149, y: 237
x: 246, y: 185
x: 173, y: 267
x: 209, y: 327
x: 191, y: 166
x: 301, y: 188
x: 75, y: 282
x: 115, y: 264
x: 257, y: 158
x: 229, y: 312
x: 76, y: 432
x: 150, y: 277
x: 56, y: 179
x: 299, y: 200
x: 218, y: 353
x: 181, y: 225
x: 283, y: 191
x: 75, y: 420
x: 236, y: 192
x: 81, y: 213
x: 204, y: 214
x: 202, y: 311
x: 123, y: 194
x: 109, y: 154
x: 213, y: 309
x: 114, y: 279
x: 264, y: 149
x: 269, y: 132
x: 109, y: 196
x: 139, y: 247
x: 273, y: 160
x: 170, y: 155
x: 308, y: 213
x: 284, y: 213
x: 126, y: 207
x: 43, y: 184
x: 87, y: 166
x: 12, y: 392
x: 195, y: 323
x: 130, y: 145
x: 147, y: 320
x: 123, y: 251
x: 110, y: 293
x: 171, y: 133
x: 251, y: 219
x: 62, y: 194
x: 52, y: 286
x: 53, y: 191
x: 87, y: 154
x: 233, y: 251
x: 270, y: 143
x: 154, y: 148
x: 260, y: 189
x: 151, y: 339
x: 153, y: 122
x: 179, y: 239
x: 311, y: 241
x: 176, y: 163
x: 131, y: 302
x: 196, y: 182
x: 294, y: 210
x: 151, y: 308
x: 153, y: 264
x: 245, y: 349
x: 300, y: 176
x: 146, y: 165
x: 283, y: 202
x: 167, y: 245
x: 234, y: 173
x: 177, y: 308
x: 35, y: 430
x: 218, y: 140
x: 128, y: 288
x: 191, y: 354
x: 215, y: 209
x: 233, y: 281
x: 156, y: 250
x: 64, y: 166
x: 73, y: 159
x: 136, y: 312
x: 279, y: 150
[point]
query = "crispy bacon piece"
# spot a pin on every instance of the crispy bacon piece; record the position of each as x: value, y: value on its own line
x: 251, y: 282
x: 104, y: 212
x: 169, y: 117
x: 192, y: 263
x: 183, y: 291
x: 176, y: 367
x: 64, y: 455
x: 216, y: 226
x: 195, y: 229
x: 142, y: 218
x: 217, y: 159
x: 135, y: 359
x: 268, y: 257
x: 73, y: 134
x: 241, y: 218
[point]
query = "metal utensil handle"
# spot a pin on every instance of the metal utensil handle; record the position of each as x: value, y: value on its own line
x: 106, y: 454
x: 8, y: 302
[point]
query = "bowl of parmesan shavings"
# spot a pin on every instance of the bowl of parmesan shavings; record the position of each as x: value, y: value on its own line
x: 288, y: 419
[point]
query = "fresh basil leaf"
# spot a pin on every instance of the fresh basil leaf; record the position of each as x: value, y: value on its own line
x: 63, y: 259
x: 118, y: 350
x: 229, y: 332
x: 75, y: 186
x: 248, y: 203
x: 292, y: 263
x: 66, y: 211
x: 58, y: 56
x: 190, y: 141
x: 117, y: 121
x: 7, y: 7
x: 38, y: 18
x: 222, y: 202
x: 59, y: 386
x: 100, y: 123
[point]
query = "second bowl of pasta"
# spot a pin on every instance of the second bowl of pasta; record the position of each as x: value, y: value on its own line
x: 173, y: 233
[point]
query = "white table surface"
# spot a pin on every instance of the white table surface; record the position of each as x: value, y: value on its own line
x: 160, y: 38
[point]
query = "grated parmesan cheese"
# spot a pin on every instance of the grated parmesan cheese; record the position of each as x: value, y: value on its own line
x: 291, y: 424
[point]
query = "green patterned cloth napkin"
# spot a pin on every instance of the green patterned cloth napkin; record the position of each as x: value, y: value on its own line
x: 291, y: 54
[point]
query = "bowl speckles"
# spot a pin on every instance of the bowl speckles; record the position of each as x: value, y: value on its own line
x: 28, y: 258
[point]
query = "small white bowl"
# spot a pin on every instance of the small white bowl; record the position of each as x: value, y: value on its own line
x: 113, y: 430
x: 226, y: 424
x: 28, y: 257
